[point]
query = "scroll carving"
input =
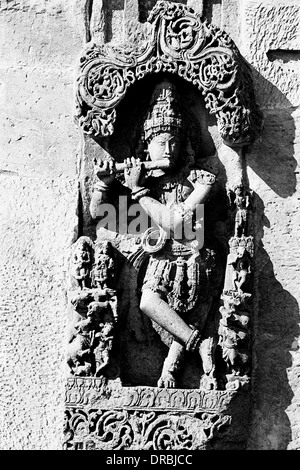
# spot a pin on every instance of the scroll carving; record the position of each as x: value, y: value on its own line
x: 179, y: 43
x: 121, y: 430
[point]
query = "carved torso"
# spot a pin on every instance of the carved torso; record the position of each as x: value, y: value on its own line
x: 179, y: 270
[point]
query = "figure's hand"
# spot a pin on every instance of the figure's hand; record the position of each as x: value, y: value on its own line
x: 133, y: 173
x: 108, y: 169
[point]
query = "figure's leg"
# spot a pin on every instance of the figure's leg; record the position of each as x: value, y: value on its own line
x: 104, y: 360
x: 207, y: 350
x: 158, y: 310
x: 171, y: 366
x: 186, y: 338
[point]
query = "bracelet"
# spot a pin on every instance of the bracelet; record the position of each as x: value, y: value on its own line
x: 193, y: 341
x: 139, y: 193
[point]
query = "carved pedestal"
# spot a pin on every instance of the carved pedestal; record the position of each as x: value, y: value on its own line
x: 104, y: 415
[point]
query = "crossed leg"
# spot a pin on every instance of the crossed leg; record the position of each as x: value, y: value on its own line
x: 153, y: 305
x: 158, y: 310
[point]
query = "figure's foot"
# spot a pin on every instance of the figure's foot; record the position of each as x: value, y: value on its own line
x: 167, y: 381
x: 208, y: 383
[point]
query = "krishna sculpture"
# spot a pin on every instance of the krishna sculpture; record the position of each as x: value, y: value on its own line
x: 177, y: 283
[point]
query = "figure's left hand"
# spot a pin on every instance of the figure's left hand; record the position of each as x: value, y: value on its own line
x: 133, y: 173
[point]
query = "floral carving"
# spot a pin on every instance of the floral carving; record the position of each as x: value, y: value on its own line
x: 136, y: 430
x: 179, y: 43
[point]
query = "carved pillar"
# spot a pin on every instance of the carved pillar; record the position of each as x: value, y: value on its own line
x: 160, y: 324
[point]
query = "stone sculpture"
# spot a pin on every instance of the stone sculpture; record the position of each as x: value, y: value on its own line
x: 81, y: 262
x: 95, y: 308
x: 241, y: 200
x: 176, y: 270
x: 195, y: 291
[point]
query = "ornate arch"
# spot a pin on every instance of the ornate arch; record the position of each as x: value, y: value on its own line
x: 180, y: 43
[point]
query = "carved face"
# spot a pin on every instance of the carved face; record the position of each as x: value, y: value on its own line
x: 82, y: 253
x: 165, y: 146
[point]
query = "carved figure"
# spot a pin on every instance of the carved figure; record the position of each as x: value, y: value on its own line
x: 102, y: 351
x: 236, y: 311
x: 79, y: 350
x: 242, y: 274
x: 80, y: 356
x: 103, y: 334
x: 177, y: 263
x: 240, y: 198
x: 234, y: 337
x: 104, y: 267
x: 242, y: 271
x: 81, y: 261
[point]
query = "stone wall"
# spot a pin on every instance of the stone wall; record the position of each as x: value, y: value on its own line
x: 270, y: 41
x: 40, y: 43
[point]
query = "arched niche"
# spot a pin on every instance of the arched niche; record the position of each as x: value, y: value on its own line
x: 179, y: 42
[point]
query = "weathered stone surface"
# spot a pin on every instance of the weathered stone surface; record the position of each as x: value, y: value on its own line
x: 99, y: 19
x: 271, y: 43
x: 231, y: 19
x: 37, y: 221
x: 39, y: 43
x: 197, y: 5
x: 274, y: 176
x: 37, y: 131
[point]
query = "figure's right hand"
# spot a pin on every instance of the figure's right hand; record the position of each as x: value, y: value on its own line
x: 107, y: 174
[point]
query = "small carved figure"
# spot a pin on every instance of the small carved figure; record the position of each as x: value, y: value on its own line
x: 242, y: 201
x: 242, y: 271
x: 239, y: 261
x: 242, y: 274
x: 104, y: 339
x: 91, y: 340
x: 81, y: 261
x: 234, y: 337
x: 103, y: 333
x: 81, y: 343
x: 79, y: 349
x: 104, y: 267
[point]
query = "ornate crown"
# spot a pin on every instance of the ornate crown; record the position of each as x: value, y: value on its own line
x: 164, y: 114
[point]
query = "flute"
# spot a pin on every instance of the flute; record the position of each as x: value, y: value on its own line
x: 101, y: 170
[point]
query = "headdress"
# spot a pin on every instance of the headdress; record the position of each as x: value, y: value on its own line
x: 164, y: 114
